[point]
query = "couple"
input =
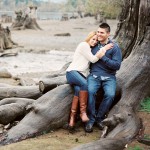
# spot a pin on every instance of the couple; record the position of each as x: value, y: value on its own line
x: 104, y: 58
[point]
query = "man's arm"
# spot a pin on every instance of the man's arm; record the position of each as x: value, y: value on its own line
x: 115, y: 62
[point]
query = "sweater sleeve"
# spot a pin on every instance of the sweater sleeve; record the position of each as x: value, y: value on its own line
x: 85, y: 50
x: 115, y: 62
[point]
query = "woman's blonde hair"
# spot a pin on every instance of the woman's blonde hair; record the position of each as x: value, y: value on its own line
x: 90, y: 35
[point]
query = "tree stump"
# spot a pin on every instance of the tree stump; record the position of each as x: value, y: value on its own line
x: 5, y: 39
x: 25, y: 20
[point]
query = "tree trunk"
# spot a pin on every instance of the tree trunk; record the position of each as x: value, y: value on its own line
x: 133, y: 35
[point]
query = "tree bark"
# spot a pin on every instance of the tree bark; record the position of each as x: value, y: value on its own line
x: 53, y: 80
x: 133, y: 77
x: 49, y: 111
x: 11, y: 108
x: 48, y: 84
x: 20, y: 91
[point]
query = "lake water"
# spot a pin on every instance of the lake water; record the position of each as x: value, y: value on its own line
x: 32, y: 62
x: 42, y: 15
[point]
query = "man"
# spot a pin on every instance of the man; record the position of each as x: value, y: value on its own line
x: 102, y: 74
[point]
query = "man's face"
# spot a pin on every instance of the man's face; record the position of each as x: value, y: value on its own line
x: 102, y: 34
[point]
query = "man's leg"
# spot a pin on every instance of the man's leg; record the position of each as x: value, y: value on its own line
x: 109, y: 87
x: 93, y: 86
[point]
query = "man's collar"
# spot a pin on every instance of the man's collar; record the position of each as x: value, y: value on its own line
x: 106, y: 42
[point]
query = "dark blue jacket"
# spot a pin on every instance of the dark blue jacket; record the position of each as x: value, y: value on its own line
x: 109, y: 63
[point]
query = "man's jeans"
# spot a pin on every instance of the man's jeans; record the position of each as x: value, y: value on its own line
x: 77, y: 80
x: 109, y: 86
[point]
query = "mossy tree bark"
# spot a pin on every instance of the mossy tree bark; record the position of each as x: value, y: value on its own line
x: 133, y: 35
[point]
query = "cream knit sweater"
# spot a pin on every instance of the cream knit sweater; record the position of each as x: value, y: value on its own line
x: 82, y: 58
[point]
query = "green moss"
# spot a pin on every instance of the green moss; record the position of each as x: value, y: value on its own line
x: 146, y: 136
x: 136, y: 148
x: 145, y: 105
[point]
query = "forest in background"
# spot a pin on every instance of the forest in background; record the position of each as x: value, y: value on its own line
x: 109, y: 8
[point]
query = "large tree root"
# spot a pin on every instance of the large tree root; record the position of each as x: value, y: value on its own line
x: 104, y: 144
x: 49, y: 111
x: 11, y: 108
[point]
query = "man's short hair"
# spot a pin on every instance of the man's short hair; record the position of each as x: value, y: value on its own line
x: 105, y: 26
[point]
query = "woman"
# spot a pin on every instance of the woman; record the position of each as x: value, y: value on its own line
x: 76, y: 75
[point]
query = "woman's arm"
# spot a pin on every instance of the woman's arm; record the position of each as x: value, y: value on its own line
x: 103, y: 50
x: 85, y: 50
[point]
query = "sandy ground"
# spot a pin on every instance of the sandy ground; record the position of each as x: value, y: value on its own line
x: 45, y: 39
x: 42, y: 41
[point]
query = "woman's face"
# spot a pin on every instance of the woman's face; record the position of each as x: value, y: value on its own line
x: 93, y: 40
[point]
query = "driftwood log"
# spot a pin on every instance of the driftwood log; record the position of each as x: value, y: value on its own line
x: 123, y: 125
x: 20, y: 92
x: 62, y: 34
x: 7, y: 54
x: 48, y: 84
x: 53, y: 80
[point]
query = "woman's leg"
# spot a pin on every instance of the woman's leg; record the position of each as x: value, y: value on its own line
x: 77, y: 79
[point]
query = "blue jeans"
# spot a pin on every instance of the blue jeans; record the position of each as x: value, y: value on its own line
x: 78, y: 81
x: 109, y: 87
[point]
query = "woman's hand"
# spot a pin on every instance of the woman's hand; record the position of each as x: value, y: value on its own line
x: 103, y: 50
x: 108, y: 46
x: 100, y: 53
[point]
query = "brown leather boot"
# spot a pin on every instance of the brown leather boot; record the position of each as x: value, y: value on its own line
x: 73, y: 113
x: 83, y: 96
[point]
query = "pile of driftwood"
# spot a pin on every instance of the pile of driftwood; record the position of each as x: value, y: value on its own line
x: 33, y: 102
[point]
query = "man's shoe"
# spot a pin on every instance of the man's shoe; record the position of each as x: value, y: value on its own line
x: 89, y: 128
x: 100, y: 125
